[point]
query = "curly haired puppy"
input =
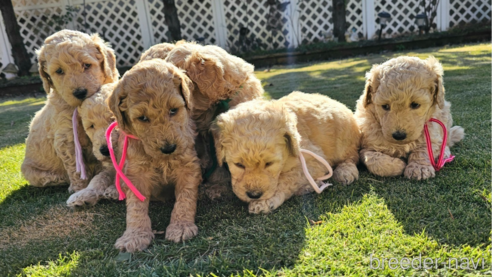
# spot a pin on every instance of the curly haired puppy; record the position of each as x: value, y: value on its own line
x: 72, y: 66
x: 260, y: 141
x: 218, y: 77
x: 399, y: 98
x: 153, y: 102
x: 96, y: 118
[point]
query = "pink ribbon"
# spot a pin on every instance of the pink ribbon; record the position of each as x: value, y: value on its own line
x: 309, y: 177
x: 441, y: 161
x: 119, y: 167
x: 79, y: 158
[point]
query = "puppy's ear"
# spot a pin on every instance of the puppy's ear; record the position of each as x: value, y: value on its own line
x: 108, y: 64
x: 208, y: 74
x: 117, y: 103
x: 45, y: 77
x: 185, y: 86
x: 216, y: 129
x: 372, y: 84
x: 438, y: 89
x: 291, y: 136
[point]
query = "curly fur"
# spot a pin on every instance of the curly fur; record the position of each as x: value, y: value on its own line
x: 260, y: 142
x: 216, y: 76
x: 413, y: 89
x: 69, y: 61
x: 153, y: 102
x: 96, y: 118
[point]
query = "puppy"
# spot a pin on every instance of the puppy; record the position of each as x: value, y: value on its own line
x: 153, y: 102
x: 72, y: 66
x: 399, y: 98
x: 220, y: 81
x: 260, y: 141
x: 96, y: 118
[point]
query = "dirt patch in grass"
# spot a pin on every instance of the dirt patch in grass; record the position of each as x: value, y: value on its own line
x: 56, y: 222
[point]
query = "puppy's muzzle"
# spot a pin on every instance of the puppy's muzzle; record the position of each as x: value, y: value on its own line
x: 399, y: 135
x: 168, y: 148
x: 80, y: 93
x: 104, y: 150
x: 254, y: 194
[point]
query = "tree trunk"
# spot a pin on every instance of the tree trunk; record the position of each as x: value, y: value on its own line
x: 19, y: 52
x: 339, y: 22
x: 172, y: 20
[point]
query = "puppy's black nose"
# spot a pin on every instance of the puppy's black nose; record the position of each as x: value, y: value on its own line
x: 254, y: 194
x: 168, y: 148
x: 399, y: 135
x: 80, y: 93
x: 104, y: 150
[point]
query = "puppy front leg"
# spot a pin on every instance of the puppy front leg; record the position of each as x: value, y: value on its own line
x: 381, y: 164
x: 270, y: 204
x: 182, y: 226
x: 95, y: 191
x: 138, y: 234
x: 419, y: 166
x: 65, y: 149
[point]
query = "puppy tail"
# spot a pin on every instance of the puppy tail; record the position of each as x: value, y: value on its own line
x: 456, y: 134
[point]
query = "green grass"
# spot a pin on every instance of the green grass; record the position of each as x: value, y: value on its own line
x: 445, y: 217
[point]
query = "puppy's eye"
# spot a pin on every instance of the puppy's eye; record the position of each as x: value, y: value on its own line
x: 59, y: 71
x: 173, y: 111
x: 268, y: 164
x: 143, y: 118
x: 414, y: 105
x: 386, y: 107
x: 87, y: 66
x: 92, y: 126
x: 239, y: 165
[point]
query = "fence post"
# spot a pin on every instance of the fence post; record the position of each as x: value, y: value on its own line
x: 293, y: 14
x: 145, y: 26
x: 442, y: 17
x: 369, y: 20
x: 219, y: 23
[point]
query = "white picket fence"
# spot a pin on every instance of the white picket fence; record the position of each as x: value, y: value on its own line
x: 132, y: 26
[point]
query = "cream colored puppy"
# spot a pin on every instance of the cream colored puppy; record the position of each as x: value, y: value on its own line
x: 400, y: 96
x: 96, y: 118
x: 260, y: 141
x: 73, y: 66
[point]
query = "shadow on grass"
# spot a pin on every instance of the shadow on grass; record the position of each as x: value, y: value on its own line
x: 229, y: 240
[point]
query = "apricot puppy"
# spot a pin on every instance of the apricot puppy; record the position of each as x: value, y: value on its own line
x: 153, y: 102
x: 73, y: 66
x: 96, y: 118
x: 399, y: 98
x: 260, y: 141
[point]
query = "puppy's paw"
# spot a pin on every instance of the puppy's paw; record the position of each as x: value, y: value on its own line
x: 134, y: 240
x: 346, y: 173
x: 84, y: 197
x: 111, y: 193
x: 181, y: 231
x: 264, y: 206
x: 419, y: 171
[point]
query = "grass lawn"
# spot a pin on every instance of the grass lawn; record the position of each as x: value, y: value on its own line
x: 340, y: 232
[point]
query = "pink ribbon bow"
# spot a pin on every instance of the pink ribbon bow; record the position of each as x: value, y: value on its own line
x: 309, y: 177
x: 119, y: 167
x: 441, y: 161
